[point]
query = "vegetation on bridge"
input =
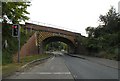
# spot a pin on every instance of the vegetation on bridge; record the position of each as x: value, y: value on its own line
x: 104, y: 40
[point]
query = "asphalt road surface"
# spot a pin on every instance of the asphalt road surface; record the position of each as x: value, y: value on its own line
x: 67, y: 67
x: 84, y: 69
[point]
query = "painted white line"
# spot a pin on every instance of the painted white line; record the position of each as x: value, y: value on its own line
x: 46, y: 73
x: 52, y: 58
x: 75, y: 76
x: 62, y: 73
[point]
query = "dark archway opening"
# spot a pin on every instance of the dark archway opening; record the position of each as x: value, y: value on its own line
x: 56, y: 46
x: 56, y: 43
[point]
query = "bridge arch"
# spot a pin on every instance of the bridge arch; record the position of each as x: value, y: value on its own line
x: 46, y: 33
x: 71, y: 46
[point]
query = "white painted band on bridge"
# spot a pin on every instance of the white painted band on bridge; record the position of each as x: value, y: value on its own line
x: 46, y: 73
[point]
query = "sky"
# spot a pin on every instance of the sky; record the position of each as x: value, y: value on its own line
x: 72, y: 15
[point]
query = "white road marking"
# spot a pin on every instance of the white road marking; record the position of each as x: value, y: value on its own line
x: 46, y: 73
x: 75, y: 76
x: 62, y: 73
x: 52, y: 58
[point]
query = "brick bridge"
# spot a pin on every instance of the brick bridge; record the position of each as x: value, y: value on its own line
x: 44, y: 35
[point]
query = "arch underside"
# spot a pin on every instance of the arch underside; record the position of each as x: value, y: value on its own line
x: 46, y: 37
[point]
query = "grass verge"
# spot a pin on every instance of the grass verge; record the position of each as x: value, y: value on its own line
x: 9, y: 69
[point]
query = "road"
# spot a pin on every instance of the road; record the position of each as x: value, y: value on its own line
x: 67, y: 67
x: 84, y: 69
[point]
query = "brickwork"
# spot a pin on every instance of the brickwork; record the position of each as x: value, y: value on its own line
x: 29, y: 48
x: 44, y: 32
x: 34, y: 44
x: 48, y: 29
x: 43, y: 35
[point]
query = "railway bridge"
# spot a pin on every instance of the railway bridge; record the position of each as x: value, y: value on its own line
x: 44, y: 35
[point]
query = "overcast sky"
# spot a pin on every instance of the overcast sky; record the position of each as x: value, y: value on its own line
x: 72, y: 15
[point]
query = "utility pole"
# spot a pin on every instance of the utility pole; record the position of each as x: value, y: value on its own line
x: 19, y: 44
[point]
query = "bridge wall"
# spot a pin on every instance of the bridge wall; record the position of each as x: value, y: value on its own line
x: 35, y: 46
x: 43, y: 35
x: 49, y: 29
x: 29, y: 48
x: 43, y: 32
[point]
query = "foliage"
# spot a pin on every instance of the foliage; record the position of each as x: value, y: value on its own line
x: 90, y: 31
x: 15, y: 11
x: 105, y: 37
x: 56, y: 46
x: 8, y: 52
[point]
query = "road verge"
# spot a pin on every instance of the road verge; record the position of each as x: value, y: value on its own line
x: 29, y: 61
x: 33, y: 63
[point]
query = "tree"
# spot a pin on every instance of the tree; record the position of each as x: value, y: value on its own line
x: 15, y: 11
x: 104, y: 39
x: 56, y: 46
x: 90, y: 31
x: 99, y: 31
x: 110, y: 21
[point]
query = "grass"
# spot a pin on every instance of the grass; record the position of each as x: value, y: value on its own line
x: 33, y: 57
x: 8, y: 69
x: 8, y: 65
